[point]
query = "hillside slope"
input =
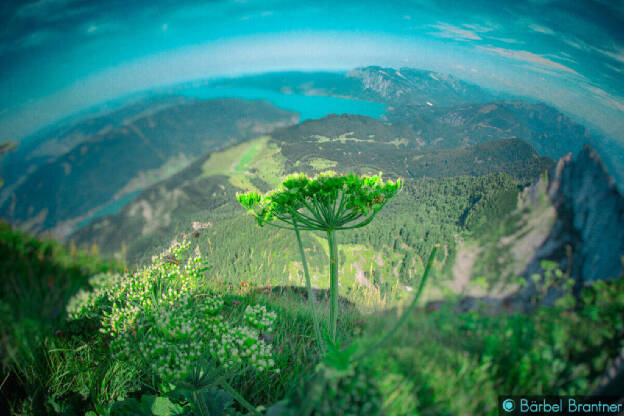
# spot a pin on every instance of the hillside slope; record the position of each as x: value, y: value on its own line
x: 446, y: 189
x: 365, y: 145
x: 120, y: 159
x: 55, y: 181
x: 551, y: 133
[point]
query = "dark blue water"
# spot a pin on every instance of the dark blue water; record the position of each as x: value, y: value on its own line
x: 307, y: 106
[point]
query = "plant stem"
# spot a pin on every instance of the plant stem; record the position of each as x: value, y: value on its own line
x: 311, y: 296
x: 226, y: 386
x: 407, y: 313
x: 333, y: 281
x: 200, y: 404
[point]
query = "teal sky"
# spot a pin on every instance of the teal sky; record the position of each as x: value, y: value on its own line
x: 58, y: 57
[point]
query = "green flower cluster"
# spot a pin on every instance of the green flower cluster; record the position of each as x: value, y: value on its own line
x: 359, y: 195
x: 160, y: 318
x: 258, y: 317
x: 328, y: 202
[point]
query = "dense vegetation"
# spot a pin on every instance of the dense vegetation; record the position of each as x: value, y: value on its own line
x: 363, y: 145
x: 38, y: 279
x: 389, y: 252
x: 71, y: 362
x: 200, y: 201
x: 218, y: 322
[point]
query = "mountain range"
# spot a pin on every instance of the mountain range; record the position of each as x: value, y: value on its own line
x: 418, y: 95
x: 134, y: 179
x: 384, y: 85
x: 213, y: 180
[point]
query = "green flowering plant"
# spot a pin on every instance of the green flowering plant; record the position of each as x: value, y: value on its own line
x: 552, y: 279
x: 327, y: 202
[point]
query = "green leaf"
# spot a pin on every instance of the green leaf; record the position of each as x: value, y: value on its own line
x: 481, y: 282
x: 337, y: 358
x: 148, y: 406
x: 162, y: 406
x: 128, y: 407
x: 211, y: 401
x: 548, y: 265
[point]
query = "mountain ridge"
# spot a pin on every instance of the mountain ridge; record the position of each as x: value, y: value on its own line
x: 372, y: 83
x: 67, y: 187
x: 417, y: 86
x: 415, y: 139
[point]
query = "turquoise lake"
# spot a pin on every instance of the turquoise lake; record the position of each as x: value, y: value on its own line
x: 307, y: 106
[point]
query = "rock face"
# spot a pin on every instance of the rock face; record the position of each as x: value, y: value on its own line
x: 414, y: 86
x: 587, y: 237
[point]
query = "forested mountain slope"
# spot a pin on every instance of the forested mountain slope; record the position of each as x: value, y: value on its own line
x: 551, y: 133
x: 55, y: 179
x: 445, y: 112
x: 447, y: 192
x: 114, y: 161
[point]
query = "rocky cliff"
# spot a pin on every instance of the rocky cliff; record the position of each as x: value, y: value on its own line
x: 587, y: 238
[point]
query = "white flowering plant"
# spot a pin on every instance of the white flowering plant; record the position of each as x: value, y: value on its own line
x: 163, y: 318
x: 258, y: 317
